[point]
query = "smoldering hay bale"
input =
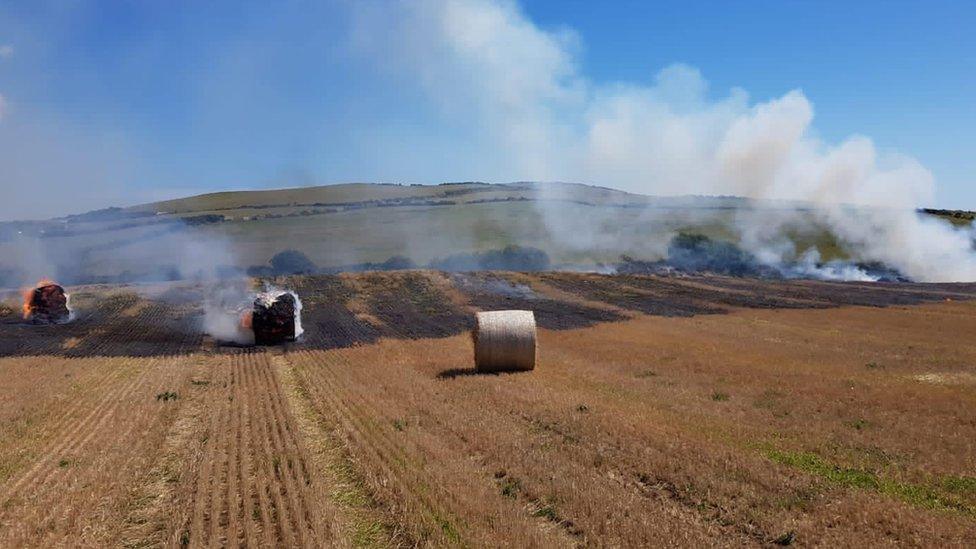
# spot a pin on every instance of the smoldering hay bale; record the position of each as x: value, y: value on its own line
x: 276, y: 318
x: 504, y: 341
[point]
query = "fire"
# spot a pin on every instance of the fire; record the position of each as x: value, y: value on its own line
x: 246, y: 319
x: 29, y: 295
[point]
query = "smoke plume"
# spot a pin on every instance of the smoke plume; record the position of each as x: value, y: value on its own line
x: 223, y: 310
x: 484, y: 63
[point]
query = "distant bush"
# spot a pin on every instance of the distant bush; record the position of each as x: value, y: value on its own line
x: 511, y: 258
x: 258, y: 271
x: 292, y: 262
x: 396, y: 263
x: 205, y: 219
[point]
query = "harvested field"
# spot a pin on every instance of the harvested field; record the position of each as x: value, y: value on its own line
x: 689, y: 411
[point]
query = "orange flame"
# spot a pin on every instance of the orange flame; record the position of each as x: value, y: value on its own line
x: 29, y: 295
x: 246, y: 319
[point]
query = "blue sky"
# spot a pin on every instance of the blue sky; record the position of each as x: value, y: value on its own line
x: 120, y: 102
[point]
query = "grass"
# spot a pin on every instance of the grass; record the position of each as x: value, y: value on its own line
x: 510, y: 487
x: 858, y: 424
x: 365, y: 526
x: 947, y: 493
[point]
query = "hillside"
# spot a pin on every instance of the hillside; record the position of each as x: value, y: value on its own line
x: 344, y: 227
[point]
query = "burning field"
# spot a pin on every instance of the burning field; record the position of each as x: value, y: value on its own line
x: 697, y: 410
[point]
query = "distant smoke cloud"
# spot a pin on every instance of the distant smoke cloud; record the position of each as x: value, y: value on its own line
x: 6, y: 51
x: 485, y: 63
x: 3, y: 107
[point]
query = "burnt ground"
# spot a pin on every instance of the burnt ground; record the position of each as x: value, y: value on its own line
x: 496, y: 291
x: 823, y: 294
x: 326, y: 317
x: 411, y: 305
x: 107, y: 322
x: 347, y: 310
x: 617, y: 292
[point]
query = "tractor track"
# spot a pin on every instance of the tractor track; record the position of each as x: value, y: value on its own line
x: 254, y: 486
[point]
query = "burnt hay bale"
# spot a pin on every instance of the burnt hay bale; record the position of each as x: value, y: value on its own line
x: 47, y: 304
x: 275, y: 318
x: 504, y: 341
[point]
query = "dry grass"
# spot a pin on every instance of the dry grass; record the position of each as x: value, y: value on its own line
x: 842, y: 426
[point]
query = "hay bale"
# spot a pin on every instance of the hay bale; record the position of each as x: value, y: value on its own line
x: 504, y: 341
x: 273, y: 318
x: 47, y: 304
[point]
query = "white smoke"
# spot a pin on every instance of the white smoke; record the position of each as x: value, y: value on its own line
x: 810, y: 266
x: 484, y: 63
x: 223, y: 309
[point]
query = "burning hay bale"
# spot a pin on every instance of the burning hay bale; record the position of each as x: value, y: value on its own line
x: 47, y: 304
x: 276, y: 318
x: 235, y: 316
x: 504, y: 341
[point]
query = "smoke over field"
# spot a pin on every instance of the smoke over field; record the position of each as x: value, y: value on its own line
x: 454, y: 227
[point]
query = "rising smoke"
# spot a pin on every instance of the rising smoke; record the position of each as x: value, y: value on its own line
x: 485, y: 63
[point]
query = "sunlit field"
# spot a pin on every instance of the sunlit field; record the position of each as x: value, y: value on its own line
x: 679, y: 411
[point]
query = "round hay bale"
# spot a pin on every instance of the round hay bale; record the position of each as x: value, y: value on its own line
x: 504, y: 341
x: 273, y: 318
x: 47, y: 304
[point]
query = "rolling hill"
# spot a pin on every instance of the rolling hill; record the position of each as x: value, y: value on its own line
x: 340, y: 227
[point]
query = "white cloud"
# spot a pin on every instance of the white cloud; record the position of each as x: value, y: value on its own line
x: 485, y: 62
x: 6, y: 51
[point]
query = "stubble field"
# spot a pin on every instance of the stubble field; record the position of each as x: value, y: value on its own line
x: 663, y: 411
